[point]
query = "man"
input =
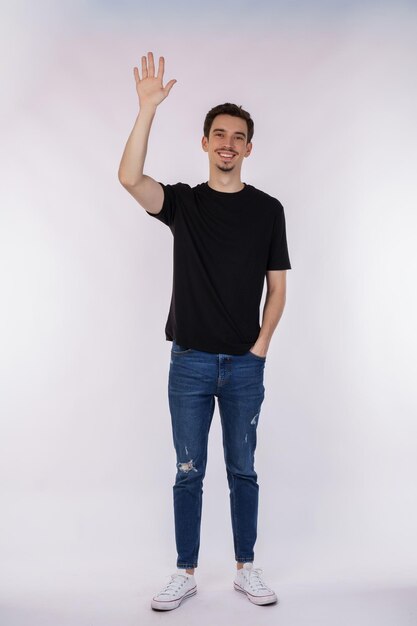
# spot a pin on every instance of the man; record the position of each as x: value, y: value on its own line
x: 228, y: 236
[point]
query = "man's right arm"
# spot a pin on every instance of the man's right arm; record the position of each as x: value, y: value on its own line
x: 146, y: 190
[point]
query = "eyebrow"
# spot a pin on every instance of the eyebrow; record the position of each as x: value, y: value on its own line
x: 238, y: 132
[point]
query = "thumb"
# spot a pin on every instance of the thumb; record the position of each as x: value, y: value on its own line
x: 169, y: 86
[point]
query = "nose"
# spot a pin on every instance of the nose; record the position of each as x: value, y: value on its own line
x: 229, y: 146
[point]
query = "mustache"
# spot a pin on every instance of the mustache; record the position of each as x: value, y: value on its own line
x: 227, y: 150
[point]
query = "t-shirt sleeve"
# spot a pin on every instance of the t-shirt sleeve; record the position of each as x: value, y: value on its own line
x: 170, y: 203
x: 278, y: 258
x: 174, y: 197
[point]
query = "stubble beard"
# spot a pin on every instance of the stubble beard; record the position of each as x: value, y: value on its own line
x: 225, y: 168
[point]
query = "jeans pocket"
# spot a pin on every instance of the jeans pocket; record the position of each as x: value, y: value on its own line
x: 256, y: 356
x: 177, y: 349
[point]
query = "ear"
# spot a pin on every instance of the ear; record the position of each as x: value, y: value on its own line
x: 204, y: 144
x: 248, y: 149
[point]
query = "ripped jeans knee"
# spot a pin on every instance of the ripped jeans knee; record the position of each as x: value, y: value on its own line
x: 187, y: 467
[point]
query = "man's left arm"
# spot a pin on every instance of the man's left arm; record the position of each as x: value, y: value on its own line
x: 274, y: 305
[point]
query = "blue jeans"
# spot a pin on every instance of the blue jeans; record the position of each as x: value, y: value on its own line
x: 195, y: 378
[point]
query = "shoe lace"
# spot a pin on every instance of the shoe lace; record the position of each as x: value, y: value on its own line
x: 177, y: 580
x: 256, y: 580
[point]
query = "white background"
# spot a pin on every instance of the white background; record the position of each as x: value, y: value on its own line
x: 87, y: 460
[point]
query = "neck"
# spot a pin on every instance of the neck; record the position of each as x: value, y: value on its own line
x: 228, y: 182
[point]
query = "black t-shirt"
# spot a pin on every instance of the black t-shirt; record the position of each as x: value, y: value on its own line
x: 223, y: 245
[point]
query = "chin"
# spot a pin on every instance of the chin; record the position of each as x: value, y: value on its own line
x: 225, y: 169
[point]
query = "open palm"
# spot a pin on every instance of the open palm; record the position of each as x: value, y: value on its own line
x: 149, y: 88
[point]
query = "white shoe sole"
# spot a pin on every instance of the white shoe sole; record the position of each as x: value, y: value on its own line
x: 257, y: 599
x: 168, y: 605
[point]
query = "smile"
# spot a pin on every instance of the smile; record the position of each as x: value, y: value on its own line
x: 227, y: 156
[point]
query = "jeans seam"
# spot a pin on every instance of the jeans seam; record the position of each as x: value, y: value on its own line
x: 234, y: 512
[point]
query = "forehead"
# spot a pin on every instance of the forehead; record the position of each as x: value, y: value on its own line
x: 229, y: 123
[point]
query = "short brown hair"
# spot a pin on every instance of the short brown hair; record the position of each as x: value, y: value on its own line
x: 228, y: 109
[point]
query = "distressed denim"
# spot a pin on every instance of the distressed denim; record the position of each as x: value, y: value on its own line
x: 195, y: 379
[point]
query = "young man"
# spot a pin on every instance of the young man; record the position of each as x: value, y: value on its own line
x: 228, y: 236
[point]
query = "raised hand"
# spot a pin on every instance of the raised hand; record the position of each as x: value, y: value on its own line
x: 150, y: 89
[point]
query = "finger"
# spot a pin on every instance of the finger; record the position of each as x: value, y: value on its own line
x: 151, y: 65
x: 169, y: 86
x: 136, y: 74
x: 161, y: 67
x: 144, y: 68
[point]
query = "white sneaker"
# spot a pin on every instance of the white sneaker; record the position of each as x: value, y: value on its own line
x: 248, y: 580
x: 181, y: 585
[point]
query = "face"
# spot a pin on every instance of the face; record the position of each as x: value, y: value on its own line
x: 226, y: 144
